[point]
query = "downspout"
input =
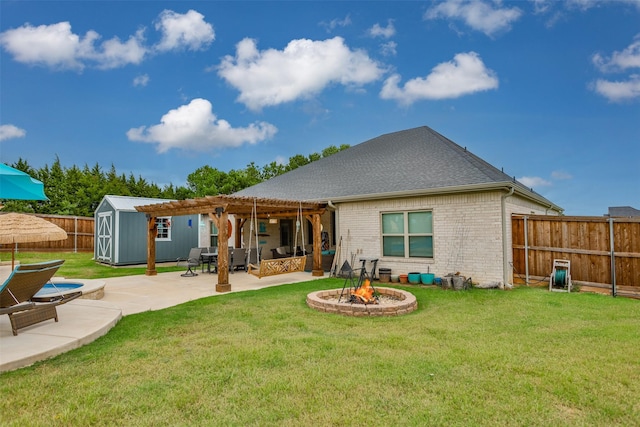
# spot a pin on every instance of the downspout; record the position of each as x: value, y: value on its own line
x: 336, y: 225
x: 505, y: 249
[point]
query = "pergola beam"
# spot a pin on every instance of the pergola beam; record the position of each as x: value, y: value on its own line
x: 218, y: 208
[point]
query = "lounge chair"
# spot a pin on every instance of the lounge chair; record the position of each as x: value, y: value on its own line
x: 17, y: 295
x: 193, y: 260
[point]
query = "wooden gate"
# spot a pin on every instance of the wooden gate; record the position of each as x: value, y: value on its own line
x: 604, y: 252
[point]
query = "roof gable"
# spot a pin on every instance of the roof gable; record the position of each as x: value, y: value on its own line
x: 412, y: 160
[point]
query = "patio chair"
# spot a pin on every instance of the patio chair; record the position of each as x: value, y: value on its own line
x: 192, y: 261
x: 280, y: 252
x: 238, y: 259
x: 252, y: 255
x: 17, y: 295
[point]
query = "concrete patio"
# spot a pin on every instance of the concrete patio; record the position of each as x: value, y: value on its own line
x: 82, y: 321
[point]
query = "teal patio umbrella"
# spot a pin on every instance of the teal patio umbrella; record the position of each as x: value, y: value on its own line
x: 17, y: 185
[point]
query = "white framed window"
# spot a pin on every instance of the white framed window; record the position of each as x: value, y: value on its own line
x: 163, y: 224
x: 407, y: 234
x: 213, y: 234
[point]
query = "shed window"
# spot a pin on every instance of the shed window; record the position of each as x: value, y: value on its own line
x: 407, y: 234
x: 164, y: 228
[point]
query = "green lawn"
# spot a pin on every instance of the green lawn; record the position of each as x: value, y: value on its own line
x: 80, y: 265
x: 525, y: 357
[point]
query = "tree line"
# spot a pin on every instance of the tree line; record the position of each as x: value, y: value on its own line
x: 78, y: 191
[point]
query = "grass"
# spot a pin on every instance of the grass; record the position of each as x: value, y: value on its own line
x: 526, y: 357
x: 79, y: 265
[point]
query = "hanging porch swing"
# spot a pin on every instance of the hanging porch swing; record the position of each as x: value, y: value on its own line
x: 275, y: 266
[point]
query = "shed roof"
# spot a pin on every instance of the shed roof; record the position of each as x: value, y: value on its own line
x: 128, y: 203
x: 413, y: 161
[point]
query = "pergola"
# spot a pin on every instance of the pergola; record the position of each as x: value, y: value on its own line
x: 218, y: 208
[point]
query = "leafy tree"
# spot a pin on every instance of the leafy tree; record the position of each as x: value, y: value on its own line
x: 75, y: 191
x: 332, y: 149
x: 271, y: 170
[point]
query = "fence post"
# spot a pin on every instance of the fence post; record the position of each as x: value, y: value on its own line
x: 526, y: 252
x: 613, y: 259
x: 75, y: 235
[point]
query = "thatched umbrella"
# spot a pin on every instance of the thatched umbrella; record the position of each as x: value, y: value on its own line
x: 21, y: 228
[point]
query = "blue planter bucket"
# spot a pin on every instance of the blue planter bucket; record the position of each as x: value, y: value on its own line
x: 414, y: 278
x: 427, y: 278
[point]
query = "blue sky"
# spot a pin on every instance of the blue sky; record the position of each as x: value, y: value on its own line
x: 549, y: 91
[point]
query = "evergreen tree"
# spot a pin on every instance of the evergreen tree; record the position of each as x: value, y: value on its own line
x: 75, y: 191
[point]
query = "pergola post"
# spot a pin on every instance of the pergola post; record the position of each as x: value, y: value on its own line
x: 152, y: 232
x: 317, y: 246
x: 221, y: 218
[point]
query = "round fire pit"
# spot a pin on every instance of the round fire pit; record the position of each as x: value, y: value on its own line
x: 393, y: 302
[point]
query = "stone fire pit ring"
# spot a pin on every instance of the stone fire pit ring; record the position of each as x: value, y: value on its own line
x: 327, y: 301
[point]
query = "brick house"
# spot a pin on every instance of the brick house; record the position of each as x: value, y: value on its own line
x: 415, y: 200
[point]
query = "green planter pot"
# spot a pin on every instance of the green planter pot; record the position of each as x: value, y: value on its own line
x: 414, y: 278
x: 427, y: 278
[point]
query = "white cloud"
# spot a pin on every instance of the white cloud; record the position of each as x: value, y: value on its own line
x: 620, y: 61
x: 10, y: 132
x: 50, y: 45
x: 195, y: 127
x: 335, y: 23
x: 561, y: 175
x: 541, y: 6
x: 534, y: 181
x: 582, y: 4
x: 558, y: 11
x: 55, y: 46
x: 114, y: 54
x: 477, y: 14
x: 389, y: 48
x: 384, y: 32
x: 141, y: 80
x: 302, y: 69
x: 464, y: 75
x: 187, y: 30
x: 617, y: 91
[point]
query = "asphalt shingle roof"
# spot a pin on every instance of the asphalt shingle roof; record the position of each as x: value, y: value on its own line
x: 623, y: 211
x: 408, y: 160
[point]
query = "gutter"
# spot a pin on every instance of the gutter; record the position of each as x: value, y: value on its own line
x: 505, y: 249
x: 453, y: 189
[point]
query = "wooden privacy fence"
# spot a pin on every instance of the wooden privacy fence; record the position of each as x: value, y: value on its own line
x: 604, y: 252
x: 80, y: 235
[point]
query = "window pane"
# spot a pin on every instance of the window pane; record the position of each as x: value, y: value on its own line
x: 420, y: 223
x: 393, y: 246
x: 214, y: 229
x: 164, y: 227
x: 421, y: 246
x: 393, y: 223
